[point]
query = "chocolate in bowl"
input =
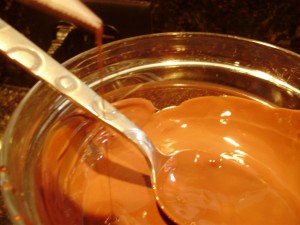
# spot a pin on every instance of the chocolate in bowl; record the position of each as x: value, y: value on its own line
x: 166, y: 69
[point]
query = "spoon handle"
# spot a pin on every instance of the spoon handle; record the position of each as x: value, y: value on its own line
x: 41, y: 65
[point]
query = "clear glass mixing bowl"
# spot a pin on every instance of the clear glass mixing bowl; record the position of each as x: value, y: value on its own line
x: 165, y: 68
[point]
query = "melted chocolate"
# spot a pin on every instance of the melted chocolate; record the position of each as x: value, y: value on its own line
x: 246, y: 156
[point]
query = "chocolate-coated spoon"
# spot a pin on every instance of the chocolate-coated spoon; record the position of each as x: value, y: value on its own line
x: 72, y: 10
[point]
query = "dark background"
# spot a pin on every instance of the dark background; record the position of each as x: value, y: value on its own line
x: 274, y: 21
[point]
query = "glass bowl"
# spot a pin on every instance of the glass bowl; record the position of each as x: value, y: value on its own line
x: 165, y: 68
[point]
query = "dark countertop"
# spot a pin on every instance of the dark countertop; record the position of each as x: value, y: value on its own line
x: 273, y: 21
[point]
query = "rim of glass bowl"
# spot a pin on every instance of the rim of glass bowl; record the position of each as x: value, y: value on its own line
x: 7, y: 190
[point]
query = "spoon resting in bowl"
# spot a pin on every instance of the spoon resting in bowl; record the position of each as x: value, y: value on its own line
x: 42, y: 66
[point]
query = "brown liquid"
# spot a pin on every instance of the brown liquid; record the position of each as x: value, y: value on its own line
x: 238, y: 168
x: 246, y: 157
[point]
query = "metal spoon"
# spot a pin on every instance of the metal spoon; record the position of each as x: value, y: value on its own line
x: 39, y: 64
x: 45, y: 68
